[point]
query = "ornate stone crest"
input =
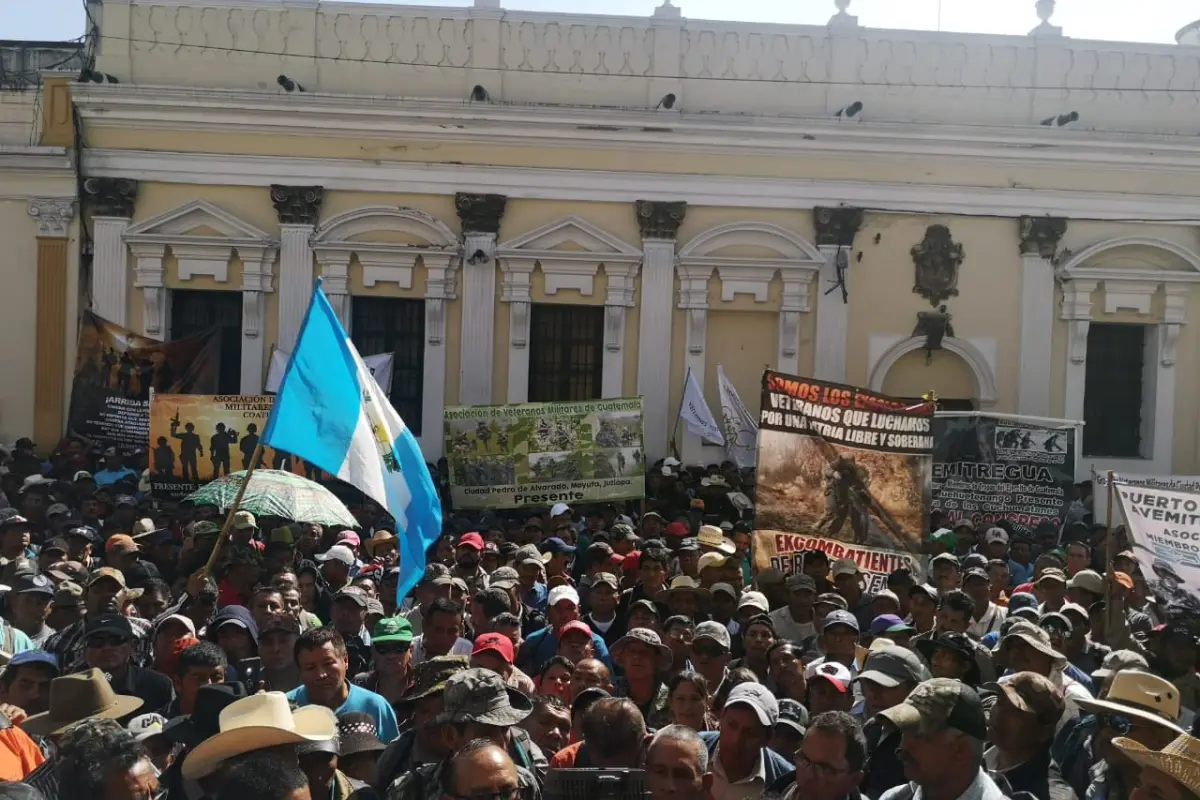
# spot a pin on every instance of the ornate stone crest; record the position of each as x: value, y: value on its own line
x: 111, y: 197
x: 1041, y: 235
x: 837, y: 226
x: 937, y: 259
x: 660, y: 220
x: 297, y: 205
x: 480, y: 213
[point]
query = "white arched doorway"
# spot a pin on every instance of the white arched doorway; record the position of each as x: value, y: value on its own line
x: 960, y: 370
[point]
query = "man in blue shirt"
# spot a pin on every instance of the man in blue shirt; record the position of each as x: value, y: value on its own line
x: 562, y: 607
x: 114, y: 469
x: 323, y: 660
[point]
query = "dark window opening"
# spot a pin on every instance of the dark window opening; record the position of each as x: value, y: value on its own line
x: 566, y: 352
x: 195, y: 311
x: 394, y: 325
x: 1113, y: 391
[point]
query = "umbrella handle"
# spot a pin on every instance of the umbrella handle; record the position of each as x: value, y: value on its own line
x: 237, y: 501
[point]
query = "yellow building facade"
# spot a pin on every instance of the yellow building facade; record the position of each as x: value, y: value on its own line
x: 553, y: 206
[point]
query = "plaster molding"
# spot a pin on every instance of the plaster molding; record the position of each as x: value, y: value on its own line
x: 343, y: 227
x: 1074, y: 267
x: 568, y: 269
x: 53, y: 215
x: 626, y: 187
x: 971, y: 351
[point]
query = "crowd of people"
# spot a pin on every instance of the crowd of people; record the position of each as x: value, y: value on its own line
x: 559, y: 645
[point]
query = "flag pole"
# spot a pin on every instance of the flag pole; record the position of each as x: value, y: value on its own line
x: 678, y: 414
x: 237, y: 502
x: 1109, y: 544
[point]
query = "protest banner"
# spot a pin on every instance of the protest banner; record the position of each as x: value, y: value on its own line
x: 195, y: 438
x: 844, y: 465
x: 784, y: 552
x: 1100, y: 509
x: 1164, y: 528
x: 987, y: 469
x: 545, y: 453
x: 741, y: 431
x: 116, y: 369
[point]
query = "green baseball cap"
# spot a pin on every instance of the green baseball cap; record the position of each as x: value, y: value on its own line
x: 392, y: 629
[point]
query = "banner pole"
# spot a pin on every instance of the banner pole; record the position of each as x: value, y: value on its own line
x: 1109, y: 543
x: 1108, y: 522
x: 678, y: 414
x: 237, y: 502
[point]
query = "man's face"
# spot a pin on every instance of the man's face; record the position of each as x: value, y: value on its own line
x: 189, y: 684
x: 947, y: 663
x: 998, y: 577
x: 561, y: 613
x: 442, y: 630
x: 277, y: 649
x: 800, y: 601
x: 1051, y: 593
x: 1020, y: 552
x: 235, y: 641
x: 742, y: 542
x: 576, y: 646
x: 323, y: 671
x: 824, y: 696
x: 742, y: 733
x: 952, y: 620
x: 467, y: 558
x: 643, y: 618
x: 491, y: 660
x: 758, y: 641
x: 138, y: 782
x: 549, y: 728
x: 269, y: 604
x: 603, y: 599
x: 348, y: 617
x: 529, y: 574
x: 787, y: 670
x: 839, y: 641
x: 151, y: 604
x: 683, y: 604
x: 29, y: 610
x: 847, y: 585
x: 822, y: 772
x: 927, y: 757
x: 689, y: 563
x: 639, y: 660
x: 1009, y: 728
x: 652, y: 574
x: 1020, y: 656
x: 945, y: 576
x: 997, y: 550
x: 589, y: 673
x: 723, y: 607
x: 979, y: 590
x: 16, y: 538
x: 102, y: 596
x: 710, y: 657
x: 673, y: 772
x: 921, y: 606
x: 30, y: 689
x: 880, y: 698
x: 1077, y: 559
x: 109, y: 652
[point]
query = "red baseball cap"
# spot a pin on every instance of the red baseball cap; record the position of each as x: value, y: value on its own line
x: 633, y: 560
x: 472, y: 540
x: 678, y: 530
x: 349, y: 537
x: 495, y: 642
x: 574, y: 625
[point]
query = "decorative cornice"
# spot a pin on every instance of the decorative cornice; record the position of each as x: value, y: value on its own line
x: 480, y: 213
x: 1041, y: 235
x: 111, y: 196
x: 837, y: 226
x: 660, y: 220
x: 297, y: 205
x: 53, y: 215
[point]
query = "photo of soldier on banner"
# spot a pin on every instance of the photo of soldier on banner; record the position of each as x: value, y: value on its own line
x: 843, y: 470
x: 1164, y: 530
x: 197, y: 438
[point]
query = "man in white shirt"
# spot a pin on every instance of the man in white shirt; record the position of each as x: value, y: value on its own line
x: 987, y: 616
x: 794, y: 621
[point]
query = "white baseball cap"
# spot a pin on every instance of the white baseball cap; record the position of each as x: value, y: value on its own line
x: 339, y: 552
x: 756, y: 600
x: 560, y: 593
x: 560, y: 508
x: 996, y: 535
x: 144, y: 726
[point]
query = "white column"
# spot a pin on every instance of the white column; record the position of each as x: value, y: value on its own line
x: 833, y: 315
x: 253, y: 308
x: 795, y: 301
x: 654, y: 344
x: 518, y: 351
x: 478, y: 319
x: 149, y: 276
x: 612, y: 371
x: 1077, y: 311
x: 295, y: 281
x: 693, y: 299
x: 440, y: 289
x: 1163, y: 420
x: 335, y: 269
x: 110, y: 270
x: 1037, y: 328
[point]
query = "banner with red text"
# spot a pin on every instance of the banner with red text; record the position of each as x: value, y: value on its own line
x: 844, y: 464
x: 785, y: 552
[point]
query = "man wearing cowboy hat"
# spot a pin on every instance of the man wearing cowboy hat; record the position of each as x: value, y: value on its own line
x: 477, y: 706
x: 1172, y: 773
x: 1140, y: 707
x: 382, y: 547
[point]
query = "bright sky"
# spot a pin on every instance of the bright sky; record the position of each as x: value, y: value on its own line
x: 1118, y: 20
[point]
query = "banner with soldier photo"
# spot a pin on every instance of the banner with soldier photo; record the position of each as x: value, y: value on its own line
x: 987, y: 469
x: 842, y: 464
x: 785, y: 552
x: 116, y: 369
x: 545, y: 453
x: 1164, y: 529
x: 196, y: 438
x: 1099, y: 498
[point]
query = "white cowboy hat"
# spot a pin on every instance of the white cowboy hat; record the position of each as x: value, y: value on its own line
x: 1141, y: 695
x: 1180, y: 760
x: 255, y: 722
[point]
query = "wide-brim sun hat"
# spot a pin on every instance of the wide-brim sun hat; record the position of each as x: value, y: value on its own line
x: 647, y: 637
x: 74, y: 698
x: 1179, y: 760
x: 256, y: 722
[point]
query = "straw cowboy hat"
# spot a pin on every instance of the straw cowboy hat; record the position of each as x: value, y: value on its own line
x: 1141, y: 695
x: 682, y: 584
x: 1180, y: 760
x: 74, y: 698
x: 379, y: 538
x: 255, y: 722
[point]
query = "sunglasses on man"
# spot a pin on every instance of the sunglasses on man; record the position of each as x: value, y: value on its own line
x: 391, y: 648
x: 107, y: 640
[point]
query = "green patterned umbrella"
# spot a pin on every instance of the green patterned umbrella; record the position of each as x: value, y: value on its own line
x: 276, y: 493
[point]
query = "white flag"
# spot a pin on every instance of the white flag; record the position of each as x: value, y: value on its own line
x: 380, y: 367
x: 696, y: 414
x: 741, y: 431
x: 1163, y: 525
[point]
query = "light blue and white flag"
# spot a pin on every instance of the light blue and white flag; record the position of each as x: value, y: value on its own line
x: 330, y: 412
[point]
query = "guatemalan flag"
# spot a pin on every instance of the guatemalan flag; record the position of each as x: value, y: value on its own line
x: 330, y: 412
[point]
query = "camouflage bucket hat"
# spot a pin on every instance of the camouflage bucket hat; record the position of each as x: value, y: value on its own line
x: 480, y: 696
x: 429, y: 677
x: 647, y: 637
x: 937, y: 705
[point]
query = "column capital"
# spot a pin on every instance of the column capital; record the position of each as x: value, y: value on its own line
x: 297, y: 205
x: 111, y: 197
x: 660, y: 219
x: 53, y: 215
x: 480, y: 213
x: 1041, y: 235
x: 837, y: 227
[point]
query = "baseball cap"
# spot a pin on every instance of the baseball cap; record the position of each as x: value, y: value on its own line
x: 504, y: 578
x: 496, y: 643
x: 793, y: 715
x: 1034, y: 694
x: 601, y: 578
x: 891, y: 666
x: 1119, y: 660
x: 285, y: 623
x: 964, y: 522
x: 800, y: 582
x: 755, y: 600
x: 945, y: 558
x: 560, y: 593
x: 14, y: 521
x: 339, y: 552
x: 144, y: 726
x: 995, y: 535
x: 976, y: 573
x: 887, y: 622
x: 1052, y: 574
x: 939, y: 704
x: 35, y: 657
x: 82, y: 475
x: 243, y: 520
x: 68, y: 594
x: 574, y: 626
x: 841, y: 617
x: 33, y: 584
x: 107, y: 572
x: 831, y: 599
x: 470, y: 539
x: 122, y: 544
x: 837, y: 674
x: 715, y: 631
x: 57, y: 509
x: 353, y: 594
x: 348, y: 538
x: 1021, y: 600
x: 844, y: 566
x: 555, y: 546
x: 117, y: 624
x: 757, y: 697
x: 723, y: 588
x: 560, y: 508
x: 712, y: 560
x: 480, y: 696
x: 1088, y: 580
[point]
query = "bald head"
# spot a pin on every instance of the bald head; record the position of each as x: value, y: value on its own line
x: 480, y: 767
x: 590, y: 673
